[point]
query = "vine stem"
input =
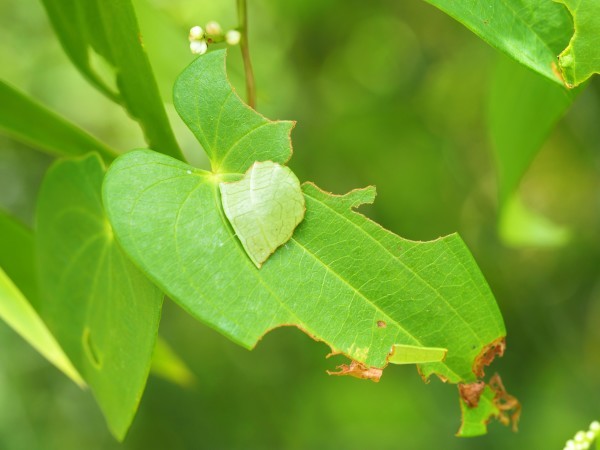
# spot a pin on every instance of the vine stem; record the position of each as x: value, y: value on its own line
x: 243, y: 28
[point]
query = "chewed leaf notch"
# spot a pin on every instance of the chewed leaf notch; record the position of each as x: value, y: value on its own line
x: 232, y: 134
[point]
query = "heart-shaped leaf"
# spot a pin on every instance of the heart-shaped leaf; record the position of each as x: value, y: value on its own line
x: 341, y: 278
x: 263, y: 208
x: 100, y: 308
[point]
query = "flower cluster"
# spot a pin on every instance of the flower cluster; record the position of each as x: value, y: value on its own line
x: 584, y: 439
x: 211, y: 33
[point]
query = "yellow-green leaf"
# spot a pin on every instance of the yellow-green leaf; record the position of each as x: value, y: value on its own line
x: 16, y: 311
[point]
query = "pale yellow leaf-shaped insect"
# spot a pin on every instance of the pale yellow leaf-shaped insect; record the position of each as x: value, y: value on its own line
x: 264, y: 208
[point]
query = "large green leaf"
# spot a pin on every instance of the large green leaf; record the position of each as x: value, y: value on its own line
x: 341, y: 278
x: 101, y: 309
x: 533, y: 32
x: 102, y: 39
x: 16, y: 311
x: 581, y: 59
x: 26, y: 120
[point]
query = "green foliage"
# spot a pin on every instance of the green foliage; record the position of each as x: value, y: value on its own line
x: 231, y: 133
x: 18, y: 291
x: 341, y: 278
x: 517, y: 133
x: 18, y: 254
x: 102, y: 39
x: 19, y: 314
x: 99, y: 307
x: 25, y: 119
x: 533, y: 32
x: 581, y: 59
x: 168, y: 365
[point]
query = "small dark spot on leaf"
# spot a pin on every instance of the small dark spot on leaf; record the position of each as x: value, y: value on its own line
x: 381, y: 324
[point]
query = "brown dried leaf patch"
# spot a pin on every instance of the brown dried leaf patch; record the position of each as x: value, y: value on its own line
x: 358, y: 370
x: 471, y: 392
x: 487, y: 356
x: 508, y: 405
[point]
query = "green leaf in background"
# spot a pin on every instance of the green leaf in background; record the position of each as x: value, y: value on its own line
x: 103, y: 36
x: 167, y: 365
x: 341, y: 278
x: 17, y: 257
x: 263, y: 208
x: 16, y: 311
x: 101, y: 309
x: 520, y: 227
x: 24, y: 119
x: 581, y: 59
x: 18, y: 292
x: 522, y: 110
x: 232, y: 134
x: 533, y: 32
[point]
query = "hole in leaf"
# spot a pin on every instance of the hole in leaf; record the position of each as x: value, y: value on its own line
x: 90, y: 349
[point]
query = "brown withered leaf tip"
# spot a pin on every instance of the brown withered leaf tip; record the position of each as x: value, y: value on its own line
x: 358, y: 370
x: 487, y: 355
x: 508, y: 405
x: 471, y: 392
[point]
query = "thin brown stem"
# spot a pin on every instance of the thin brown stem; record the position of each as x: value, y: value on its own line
x: 243, y: 28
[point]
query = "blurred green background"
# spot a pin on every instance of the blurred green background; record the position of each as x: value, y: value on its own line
x: 385, y: 93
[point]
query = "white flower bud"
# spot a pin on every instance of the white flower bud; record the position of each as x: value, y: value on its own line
x: 595, y: 426
x: 198, y: 47
x: 213, y: 28
x: 232, y: 37
x: 580, y: 436
x: 590, y: 436
x: 196, y: 33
